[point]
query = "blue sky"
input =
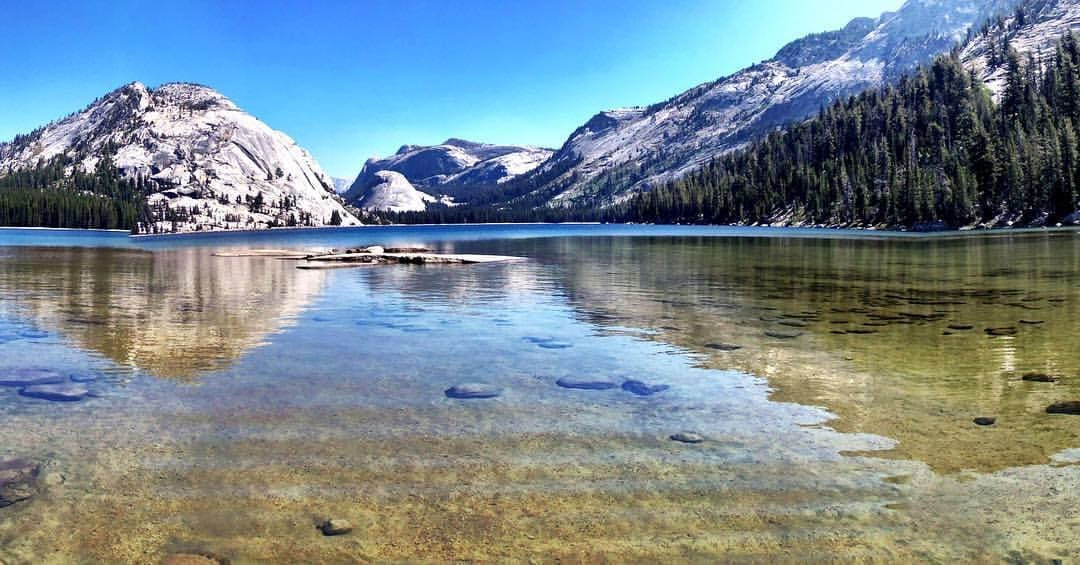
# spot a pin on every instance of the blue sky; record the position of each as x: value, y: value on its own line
x: 349, y: 80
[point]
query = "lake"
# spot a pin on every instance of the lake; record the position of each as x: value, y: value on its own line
x: 235, y: 403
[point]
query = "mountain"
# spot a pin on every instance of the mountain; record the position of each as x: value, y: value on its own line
x: 341, y: 185
x: 390, y: 191
x: 199, y: 161
x: 455, y: 168
x: 620, y: 152
x: 984, y: 137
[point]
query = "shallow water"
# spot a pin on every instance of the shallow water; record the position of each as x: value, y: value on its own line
x: 238, y: 401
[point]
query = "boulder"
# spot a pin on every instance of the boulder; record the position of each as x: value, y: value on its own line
x: 1039, y: 378
x: 472, y: 391
x: 586, y: 384
x: 643, y: 389
x: 723, y: 346
x: 56, y: 392
x: 687, y: 437
x: 1067, y: 407
x: 335, y: 527
x: 17, y: 478
x: 30, y: 377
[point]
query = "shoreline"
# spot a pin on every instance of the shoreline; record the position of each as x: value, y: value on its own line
x: 76, y: 230
x: 745, y: 231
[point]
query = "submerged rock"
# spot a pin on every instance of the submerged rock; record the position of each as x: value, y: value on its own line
x: 335, y: 527
x: 56, y: 392
x: 17, y: 477
x: 985, y: 421
x: 860, y: 331
x: 1067, y: 407
x: 687, y: 437
x: 547, y: 342
x: 555, y: 344
x: 586, y: 384
x: 998, y: 332
x: 473, y: 390
x: 33, y: 334
x: 643, y: 389
x: 1039, y: 378
x: 30, y: 377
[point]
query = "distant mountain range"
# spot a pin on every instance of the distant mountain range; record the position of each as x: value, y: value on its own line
x: 196, y: 161
x: 455, y: 169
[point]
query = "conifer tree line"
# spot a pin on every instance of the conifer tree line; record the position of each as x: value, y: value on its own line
x: 934, y: 150
x: 44, y: 196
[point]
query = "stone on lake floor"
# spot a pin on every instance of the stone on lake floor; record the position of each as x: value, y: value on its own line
x: 586, y: 384
x: 30, y: 377
x: 783, y: 335
x: 547, y: 342
x: 56, y: 392
x: 335, y: 527
x: 1068, y: 407
x: 473, y: 390
x: 985, y: 421
x: 643, y: 389
x: 17, y: 478
x: 1039, y: 378
x: 1000, y: 332
x: 33, y: 334
x: 723, y: 346
x: 687, y: 437
x: 555, y: 344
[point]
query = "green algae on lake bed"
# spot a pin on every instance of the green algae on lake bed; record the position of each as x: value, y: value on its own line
x: 242, y: 403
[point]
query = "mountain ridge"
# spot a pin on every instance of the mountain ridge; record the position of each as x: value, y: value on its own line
x: 202, y: 163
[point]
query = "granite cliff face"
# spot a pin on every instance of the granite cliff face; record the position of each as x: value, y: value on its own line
x: 452, y: 169
x: 204, y: 163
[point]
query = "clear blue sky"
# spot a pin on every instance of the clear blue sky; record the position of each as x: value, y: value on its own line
x: 349, y: 80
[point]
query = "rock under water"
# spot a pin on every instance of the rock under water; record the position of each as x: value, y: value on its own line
x: 17, y: 478
x: 1067, y: 407
x: 473, y: 390
x: 586, y: 384
x: 335, y: 527
x: 687, y: 437
x: 30, y: 377
x: 56, y: 392
x: 643, y: 389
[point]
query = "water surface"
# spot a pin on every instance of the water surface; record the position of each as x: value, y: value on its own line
x: 238, y: 401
